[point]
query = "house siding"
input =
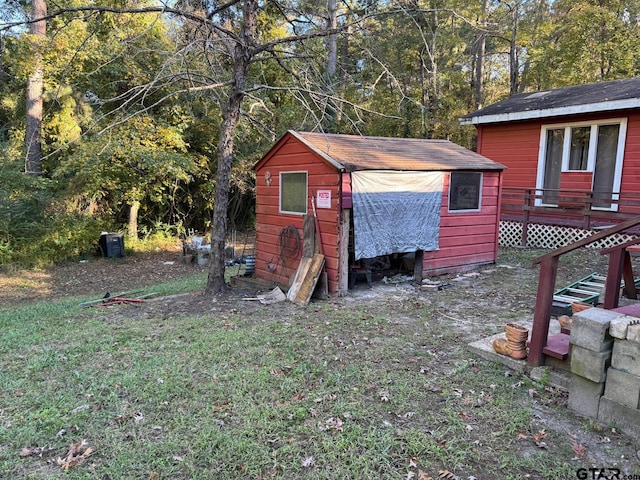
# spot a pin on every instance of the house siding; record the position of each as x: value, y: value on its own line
x: 270, y: 222
x: 516, y: 145
x: 631, y: 167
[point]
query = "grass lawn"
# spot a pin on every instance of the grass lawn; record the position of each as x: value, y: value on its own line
x: 336, y: 390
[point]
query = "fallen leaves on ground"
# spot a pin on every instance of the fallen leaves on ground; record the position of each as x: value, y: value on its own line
x: 35, y: 451
x: 333, y: 423
x: 446, y: 474
x: 137, y: 417
x: 538, y: 438
x: 76, y: 455
x: 422, y: 475
x: 579, y: 449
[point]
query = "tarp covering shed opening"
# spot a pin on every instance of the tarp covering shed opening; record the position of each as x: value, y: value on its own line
x: 395, y: 212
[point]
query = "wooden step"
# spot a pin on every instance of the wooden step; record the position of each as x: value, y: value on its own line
x: 558, y: 346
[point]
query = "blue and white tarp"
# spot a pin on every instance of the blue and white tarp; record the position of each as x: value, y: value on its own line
x: 395, y: 212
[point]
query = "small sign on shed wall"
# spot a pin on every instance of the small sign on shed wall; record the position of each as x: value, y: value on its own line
x: 323, y: 199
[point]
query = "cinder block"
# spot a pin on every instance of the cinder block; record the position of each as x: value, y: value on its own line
x: 590, y: 329
x: 622, y: 388
x: 556, y: 378
x: 584, y: 396
x: 626, y: 356
x: 618, y: 326
x: 590, y: 365
x: 624, y: 418
x: 633, y: 332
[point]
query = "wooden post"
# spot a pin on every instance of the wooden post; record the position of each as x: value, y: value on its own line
x: 629, y: 280
x: 345, y: 222
x: 614, y: 275
x: 586, y: 223
x: 525, y: 217
x: 619, y: 267
x: 542, y: 313
x: 417, y: 266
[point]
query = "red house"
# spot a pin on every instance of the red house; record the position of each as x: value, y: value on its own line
x: 573, y: 154
x: 386, y: 202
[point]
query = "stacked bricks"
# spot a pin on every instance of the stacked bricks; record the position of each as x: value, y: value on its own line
x: 591, y: 350
x: 620, y: 404
x: 605, y: 368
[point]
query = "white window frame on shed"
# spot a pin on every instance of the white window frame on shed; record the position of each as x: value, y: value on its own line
x: 477, y: 194
x: 567, y: 130
x: 289, y: 188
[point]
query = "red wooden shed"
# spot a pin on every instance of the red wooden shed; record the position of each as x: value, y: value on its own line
x: 572, y: 153
x: 383, y: 201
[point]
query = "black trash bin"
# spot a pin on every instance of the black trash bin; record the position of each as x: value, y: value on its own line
x: 112, y: 245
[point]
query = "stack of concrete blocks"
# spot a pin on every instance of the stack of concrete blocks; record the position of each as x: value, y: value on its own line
x: 591, y: 347
x: 605, y: 368
x: 620, y: 404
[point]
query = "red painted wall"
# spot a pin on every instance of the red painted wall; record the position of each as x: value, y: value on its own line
x: 272, y: 262
x: 631, y: 167
x: 467, y: 239
x: 516, y: 145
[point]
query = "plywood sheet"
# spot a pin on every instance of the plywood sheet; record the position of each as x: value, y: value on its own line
x: 306, y: 279
x: 298, y: 277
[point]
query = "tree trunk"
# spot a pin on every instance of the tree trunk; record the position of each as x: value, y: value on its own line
x: 480, y: 54
x: 2, y: 75
x: 513, y: 53
x: 35, y: 82
x: 134, y: 208
x: 329, y: 123
x: 332, y: 40
x: 243, y: 52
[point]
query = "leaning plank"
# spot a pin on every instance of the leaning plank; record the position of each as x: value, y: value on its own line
x: 298, y: 278
x: 310, y: 280
x: 309, y: 243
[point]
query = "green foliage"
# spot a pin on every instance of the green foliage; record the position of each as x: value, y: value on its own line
x: 578, y: 41
x: 333, y: 391
x: 140, y: 161
x: 131, y: 115
x: 35, y: 227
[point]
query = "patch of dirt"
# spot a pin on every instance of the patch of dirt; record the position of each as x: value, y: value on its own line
x: 94, y: 276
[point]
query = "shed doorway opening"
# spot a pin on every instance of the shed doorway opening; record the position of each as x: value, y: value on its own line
x: 395, y: 217
x: 394, y: 267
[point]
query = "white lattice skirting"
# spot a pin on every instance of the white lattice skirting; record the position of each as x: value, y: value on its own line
x: 553, y: 236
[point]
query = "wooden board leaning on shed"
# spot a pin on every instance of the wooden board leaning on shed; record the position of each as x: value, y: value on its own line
x: 305, y: 279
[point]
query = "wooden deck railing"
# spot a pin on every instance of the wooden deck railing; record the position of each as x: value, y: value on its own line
x: 578, y: 208
x: 619, y: 265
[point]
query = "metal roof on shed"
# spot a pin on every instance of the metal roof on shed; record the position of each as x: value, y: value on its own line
x: 352, y: 153
x: 595, y: 97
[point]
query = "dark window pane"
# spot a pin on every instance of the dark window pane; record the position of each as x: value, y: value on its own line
x: 604, y: 173
x: 464, y: 190
x: 579, y: 154
x: 552, y: 166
